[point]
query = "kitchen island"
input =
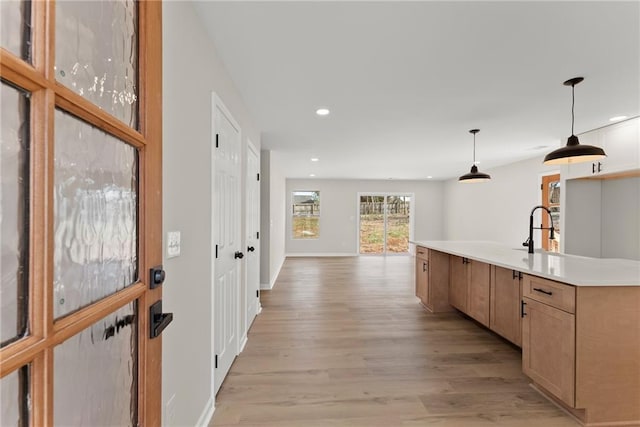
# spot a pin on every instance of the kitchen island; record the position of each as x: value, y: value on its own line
x: 577, y: 319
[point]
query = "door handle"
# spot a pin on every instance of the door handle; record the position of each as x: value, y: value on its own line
x: 238, y: 254
x: 251, y: 249
x: 158, y: 320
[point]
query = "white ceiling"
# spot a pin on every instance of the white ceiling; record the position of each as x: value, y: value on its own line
x: 405, y: 81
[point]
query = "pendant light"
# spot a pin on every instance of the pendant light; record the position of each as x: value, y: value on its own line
x: 474, y: 175
x: 573, y: 152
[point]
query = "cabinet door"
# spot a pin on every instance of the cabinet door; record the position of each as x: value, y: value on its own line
x: 422, y: 280
x: 505, y: 304
x: 459, y: 283
x: 479, y: 291
x: 549, y: 349
x: 621, y: 142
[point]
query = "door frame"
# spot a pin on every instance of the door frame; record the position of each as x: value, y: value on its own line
x: 544, y: 201
x: 45, y: 332
x: 385, y: 194
x: 217, y: 103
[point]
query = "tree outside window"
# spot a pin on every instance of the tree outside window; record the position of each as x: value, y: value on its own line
x: 306, y: 214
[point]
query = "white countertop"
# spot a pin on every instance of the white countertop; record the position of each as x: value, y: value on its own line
x: 571, y: 269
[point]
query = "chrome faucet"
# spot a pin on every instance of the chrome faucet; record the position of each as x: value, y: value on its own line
x: 529, y: 241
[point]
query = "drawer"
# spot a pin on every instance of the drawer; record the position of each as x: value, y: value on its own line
x: 422, y: 253
x: 548, y: 292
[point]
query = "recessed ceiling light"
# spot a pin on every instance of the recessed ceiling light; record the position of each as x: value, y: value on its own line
x: 315, y: 159
x: 322, y: 111
x: 312, y: 174
x: 429, y: 177
x: 616, y: 118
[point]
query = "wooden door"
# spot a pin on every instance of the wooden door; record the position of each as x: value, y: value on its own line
x: 549, y: 349
x: 226, y: 238
x: 479, y: 291
x: 551, y: 199
x: 81, y: 201
x: 459, y: 285
x: 253, y: 234
x: 506, y: 292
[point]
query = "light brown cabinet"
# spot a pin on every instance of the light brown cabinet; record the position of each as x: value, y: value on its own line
x: 548, y: 348
x: 470, y: 287
x: 506, y: 294
x: 581, y: 346
x: 479, y: 291
x: 459, y: 282
x: 432, y: 279
x: 422, y: 275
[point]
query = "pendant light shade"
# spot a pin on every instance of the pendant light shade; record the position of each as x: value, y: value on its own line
x: 474, y: 175
x: 573, y: 152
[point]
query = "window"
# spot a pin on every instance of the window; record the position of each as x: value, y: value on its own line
x: 306, y: 214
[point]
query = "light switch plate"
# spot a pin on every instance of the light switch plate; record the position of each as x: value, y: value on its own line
x: 173, y: 244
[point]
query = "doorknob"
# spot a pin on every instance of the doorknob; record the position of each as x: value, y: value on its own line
x: 158, y: 320
x: 251, y: 249
x: 238, y: 255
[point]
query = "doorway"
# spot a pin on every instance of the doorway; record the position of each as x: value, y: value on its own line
x: 385, y: 223
x: 81, y: 209
x: 551, y: 199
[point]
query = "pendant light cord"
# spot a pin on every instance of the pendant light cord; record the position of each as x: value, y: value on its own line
x: 474, y: 148
x: 573, y: 103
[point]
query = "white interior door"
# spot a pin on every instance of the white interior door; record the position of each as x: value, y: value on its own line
x: 253, y: 230
x: 226, y: 240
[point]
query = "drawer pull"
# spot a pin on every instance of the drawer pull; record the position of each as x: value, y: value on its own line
x: 424, y: 267
x: 522, y: 304
x: 543, y: 291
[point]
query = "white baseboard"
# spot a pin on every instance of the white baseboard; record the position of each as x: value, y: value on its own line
x: 265, y: 286
x: 259, y: 309
x: 269, y: 286
x: 243, y: 342
x: 322, y: 254
x: 207, y: 414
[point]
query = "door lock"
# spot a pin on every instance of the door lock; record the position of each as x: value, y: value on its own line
x: 238, y: 254
x: 251, y: 249
x: 156, y: 277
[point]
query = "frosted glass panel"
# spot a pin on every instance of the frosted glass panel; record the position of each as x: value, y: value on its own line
x: 95, y: 205
x: 95, y: 374
x: 14, y: 398
x: 97, y: 53
x: 15, y: 27
x: 14, y: 212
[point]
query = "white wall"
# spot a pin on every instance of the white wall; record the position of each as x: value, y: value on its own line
x: 339, y: 212
x: 497, y: 210
x: 603, y: 218
x: 272, y: 219
x: 191, y: 73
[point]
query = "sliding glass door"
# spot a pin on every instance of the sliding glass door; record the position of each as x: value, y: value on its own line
x: 384, y: 223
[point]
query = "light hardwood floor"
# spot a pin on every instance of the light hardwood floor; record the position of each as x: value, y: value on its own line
x: 344, y: 342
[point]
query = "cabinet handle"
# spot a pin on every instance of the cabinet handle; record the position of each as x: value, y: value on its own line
x: 515, y: 274
x: 593, y: 168
x: 522, y: 304
x: 543, y: 291
x: 599, y: 167
x: 424, y: 267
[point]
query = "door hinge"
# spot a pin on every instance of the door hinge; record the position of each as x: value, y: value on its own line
x: 216, y: 140
x: 257, y: 293
x: 257, y: 234
x: 258, y: 177
x: 216, y: 251
x: 542, y: 186
x: 216, y: 363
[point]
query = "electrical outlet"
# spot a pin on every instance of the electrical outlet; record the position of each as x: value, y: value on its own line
x: 173, y: 244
